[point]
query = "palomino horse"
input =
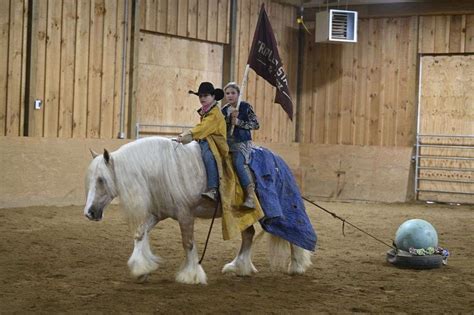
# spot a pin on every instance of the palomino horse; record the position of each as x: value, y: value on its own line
x: 156, y: 178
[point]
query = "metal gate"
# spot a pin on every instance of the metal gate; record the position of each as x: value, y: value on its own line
x: 445, y: 129
x: 445, y: 168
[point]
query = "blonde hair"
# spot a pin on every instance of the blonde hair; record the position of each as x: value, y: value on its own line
x: 232, y: 85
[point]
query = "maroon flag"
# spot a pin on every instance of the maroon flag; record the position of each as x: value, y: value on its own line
x: 265, y: 60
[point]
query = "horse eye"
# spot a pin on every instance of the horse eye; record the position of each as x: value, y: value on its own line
x: 100, y: 180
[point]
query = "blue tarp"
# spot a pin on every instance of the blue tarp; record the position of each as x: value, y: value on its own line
x: 280, y: 198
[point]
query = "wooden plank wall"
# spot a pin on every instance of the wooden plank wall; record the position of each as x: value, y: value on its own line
x: 446, y: 34
x: 168, y: 68
x: 207, y: 20
x: 78, y: 68
x: 355, y: 94
x: 275, y: 126
x: 365, y: 93
x: 13, y: 23
x: 181, y: 44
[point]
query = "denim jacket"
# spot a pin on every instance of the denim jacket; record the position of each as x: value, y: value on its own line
x: 246, y: 121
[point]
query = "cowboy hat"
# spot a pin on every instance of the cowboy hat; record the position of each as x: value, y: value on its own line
x: 208, y: 88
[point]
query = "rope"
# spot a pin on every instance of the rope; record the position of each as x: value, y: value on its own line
x: 210, y: 227
x: 344, y: 221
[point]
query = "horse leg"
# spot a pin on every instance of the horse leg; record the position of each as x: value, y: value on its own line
x: 288, y: 257
x: 142, y: 261
x: 191, y: 271
x: 300, y: 260
x: 242, y: 264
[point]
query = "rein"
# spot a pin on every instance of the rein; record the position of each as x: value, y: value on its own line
x: 218, y: 201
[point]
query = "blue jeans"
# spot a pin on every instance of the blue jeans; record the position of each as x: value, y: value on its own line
x: 211, y: 165
x: 238, y: 160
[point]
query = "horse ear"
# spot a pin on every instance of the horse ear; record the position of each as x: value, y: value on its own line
x: 106, y: 156
x: 94, y: 154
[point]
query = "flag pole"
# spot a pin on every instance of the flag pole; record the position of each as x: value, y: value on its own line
x: 243, y: 85
x: 242, y: 88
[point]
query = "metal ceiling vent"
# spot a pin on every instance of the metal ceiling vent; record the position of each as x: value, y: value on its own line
x: 336, y: 26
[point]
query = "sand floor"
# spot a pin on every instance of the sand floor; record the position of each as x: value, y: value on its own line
x: 54, y: 260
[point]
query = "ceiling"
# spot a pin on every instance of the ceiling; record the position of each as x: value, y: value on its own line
x: 322, y: 3
x: 333, y: 3
x: 383, y: 8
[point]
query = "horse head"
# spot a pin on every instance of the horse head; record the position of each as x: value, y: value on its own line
x: 100, y: 185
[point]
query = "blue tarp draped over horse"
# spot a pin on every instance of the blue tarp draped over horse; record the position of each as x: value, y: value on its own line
x: 280, y: 198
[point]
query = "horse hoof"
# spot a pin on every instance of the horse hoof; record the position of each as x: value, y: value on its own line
x: 192, y: 275
x: 254, y: 270
x: 229, y: 268
x: 239, y: 269
x: 142, y: 278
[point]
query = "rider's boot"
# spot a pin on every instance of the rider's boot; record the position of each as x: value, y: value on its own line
x: 249, y: 202
x: 210, y: 194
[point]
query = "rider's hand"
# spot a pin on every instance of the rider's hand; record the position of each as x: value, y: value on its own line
x: 185, y: 137
x: 234, y: 118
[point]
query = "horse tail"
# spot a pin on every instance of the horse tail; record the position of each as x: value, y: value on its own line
x: 287, y: 257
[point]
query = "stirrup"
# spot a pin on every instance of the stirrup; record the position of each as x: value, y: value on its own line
x: 210, y: 194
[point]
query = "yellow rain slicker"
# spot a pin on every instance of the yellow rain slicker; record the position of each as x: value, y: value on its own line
x: 213, y: 129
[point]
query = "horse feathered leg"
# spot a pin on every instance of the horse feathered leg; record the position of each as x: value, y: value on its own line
x: 191, y: 271
x: 142, y: 261
x: 300, y: 260
x: 242, y: 264
x: 288, y: 257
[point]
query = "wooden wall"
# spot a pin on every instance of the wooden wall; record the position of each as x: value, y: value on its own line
x: 354, y: 94
x: 275, y: 126
x: 181, y: 43
x: 168, y: 67
x: 362, y: 93
x: 76, y: 68
x: 365, y: 93
x: 76, y: 60
x: 24, y: 161
x: 13, y: 23
x: 207, y: 20
x: 446, y: 34
x: 47, y: 171
x: 342, y: 172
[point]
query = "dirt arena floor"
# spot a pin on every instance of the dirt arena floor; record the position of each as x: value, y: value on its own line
x: 53, y: 260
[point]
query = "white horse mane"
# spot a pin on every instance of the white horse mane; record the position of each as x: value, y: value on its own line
x: 156, y: 173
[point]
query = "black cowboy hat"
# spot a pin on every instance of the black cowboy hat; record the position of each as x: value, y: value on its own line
x: 208, y: 88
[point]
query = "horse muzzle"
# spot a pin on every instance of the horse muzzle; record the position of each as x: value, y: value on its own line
x: 94, y: 214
